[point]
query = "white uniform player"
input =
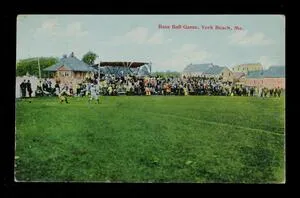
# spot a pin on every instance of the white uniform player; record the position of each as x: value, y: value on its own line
x: 94, y: 94
x: 57, y: 91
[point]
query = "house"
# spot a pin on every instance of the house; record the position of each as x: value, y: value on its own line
x: 270, y: 78
x: 249, y: 67
x: 70, y: 69
x: 196, y: 69
x: 239, y: 76
x: 216, y: 72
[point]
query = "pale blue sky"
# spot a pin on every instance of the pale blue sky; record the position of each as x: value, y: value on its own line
x: 138, y: 38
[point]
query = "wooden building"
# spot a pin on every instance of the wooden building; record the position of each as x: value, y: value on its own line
x: 273, y: 77
x: 219, y: 72
x: 70, y: 69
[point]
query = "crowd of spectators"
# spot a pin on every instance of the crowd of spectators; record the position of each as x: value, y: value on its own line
x: 111, y: 85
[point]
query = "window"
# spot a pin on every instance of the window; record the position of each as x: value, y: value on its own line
x: 67, y: 73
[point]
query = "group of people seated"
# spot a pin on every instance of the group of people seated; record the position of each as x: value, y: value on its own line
x: 111, y: 85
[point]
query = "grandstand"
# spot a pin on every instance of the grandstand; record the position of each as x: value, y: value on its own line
x: 123, y: 68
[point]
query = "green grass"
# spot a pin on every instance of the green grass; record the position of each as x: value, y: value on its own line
x: 151, y: 139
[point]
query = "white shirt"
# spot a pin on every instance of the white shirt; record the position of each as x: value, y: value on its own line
x: 93, y: 90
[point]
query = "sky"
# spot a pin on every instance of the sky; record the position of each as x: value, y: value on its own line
x: 249, y: 39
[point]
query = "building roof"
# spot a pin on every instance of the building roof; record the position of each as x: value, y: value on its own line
x: 214, y: 70
x: 142, y: 71
x: 197, y: 67
x: 255, y: 74
x: 275, y: 72
x: 238, y: 75
x: 71, y: 62
x: 272, y: 72
x: 248, y: 64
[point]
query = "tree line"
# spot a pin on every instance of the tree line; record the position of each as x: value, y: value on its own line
x: 30, y: 65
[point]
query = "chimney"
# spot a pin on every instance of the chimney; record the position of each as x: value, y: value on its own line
x: 72, y: 54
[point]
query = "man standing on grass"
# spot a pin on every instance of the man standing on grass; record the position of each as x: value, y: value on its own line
x: 29, y: 88
x: 93, y: 94
x: 251, y: 91
x: 57, y: 88
x: 260, y: 93
x: 23, y: 89
x: 279, y: 91
x: 275, y: 92
x: 271, y: 92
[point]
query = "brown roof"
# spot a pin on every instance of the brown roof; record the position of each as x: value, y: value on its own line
x: 238, y: 75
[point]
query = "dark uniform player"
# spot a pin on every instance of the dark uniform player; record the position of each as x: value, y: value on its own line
x: 63, y: 97
x: 275, y: 92
x: 252, y: 91
x: 29, y: 88
x: 279, y: 91
x: 23, y: 89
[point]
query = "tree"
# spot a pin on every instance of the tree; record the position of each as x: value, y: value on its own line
x: 30, y: 65
x: 89, y: 58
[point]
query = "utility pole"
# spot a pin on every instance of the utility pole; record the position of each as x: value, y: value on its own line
x: 39, y: 67
x: 150, y: 66
x: 99, y: 71
x: 39, y: 71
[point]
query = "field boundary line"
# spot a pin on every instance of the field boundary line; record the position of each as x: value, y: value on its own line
x: 217, y: 123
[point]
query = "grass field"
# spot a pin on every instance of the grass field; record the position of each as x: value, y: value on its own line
x: 151, y: 139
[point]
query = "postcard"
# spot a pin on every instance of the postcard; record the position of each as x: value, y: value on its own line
x: 150, y: 98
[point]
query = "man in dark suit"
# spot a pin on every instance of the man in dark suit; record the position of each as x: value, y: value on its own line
x: 23, y: 89
x: 28, y: 85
